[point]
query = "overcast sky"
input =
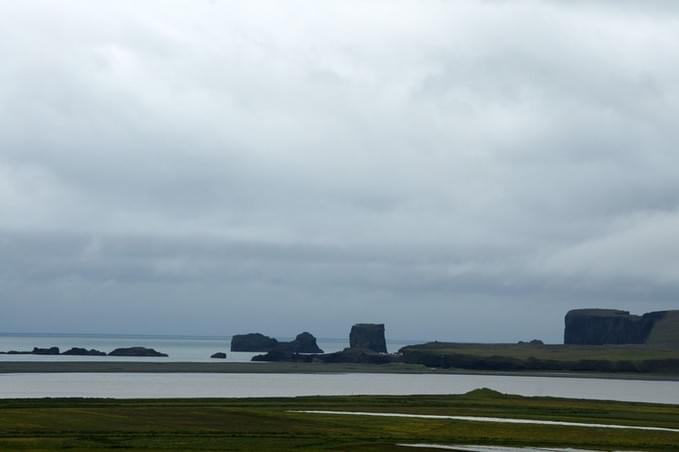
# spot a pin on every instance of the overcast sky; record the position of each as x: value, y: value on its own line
x: 457, y: 170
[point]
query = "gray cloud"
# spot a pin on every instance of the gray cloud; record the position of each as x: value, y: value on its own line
x: 433, y: 165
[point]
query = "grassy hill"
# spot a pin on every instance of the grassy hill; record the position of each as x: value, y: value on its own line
x: 605, y: 358
x: 665, y: 331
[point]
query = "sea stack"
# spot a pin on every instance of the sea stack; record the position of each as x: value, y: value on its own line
x: 252, y: 342
x: 304, y: 343
x: 368, y: 336
x: 257, y: 342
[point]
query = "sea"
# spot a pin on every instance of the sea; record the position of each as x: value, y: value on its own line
x: 178, y: 348
x: 199, y: 349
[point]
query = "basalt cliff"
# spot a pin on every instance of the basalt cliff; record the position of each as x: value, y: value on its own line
x: 610, y: 326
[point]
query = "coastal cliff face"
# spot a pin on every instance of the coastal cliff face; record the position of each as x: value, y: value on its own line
x: 602, y: 326
x: 610, y: 326
x: 369, y: 336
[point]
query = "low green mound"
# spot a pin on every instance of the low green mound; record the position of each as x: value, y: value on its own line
x: 484, y: 393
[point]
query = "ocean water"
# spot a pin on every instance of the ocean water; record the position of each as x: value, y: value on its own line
x: 148, y: 385
x: 179, y: 348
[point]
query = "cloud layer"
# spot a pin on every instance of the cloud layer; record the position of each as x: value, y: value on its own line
x: 459, y: 170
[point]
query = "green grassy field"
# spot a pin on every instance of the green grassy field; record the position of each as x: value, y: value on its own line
x: 269, y: 424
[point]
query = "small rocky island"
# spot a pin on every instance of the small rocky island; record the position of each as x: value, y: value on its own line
x: 136, y: 351
x: 252, y: 342
x: 80, y: 351
x: 256, y: 342
x: 35, y: 351
x: 45, y: 351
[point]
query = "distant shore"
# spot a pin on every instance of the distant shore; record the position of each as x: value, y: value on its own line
x: 285, y: 367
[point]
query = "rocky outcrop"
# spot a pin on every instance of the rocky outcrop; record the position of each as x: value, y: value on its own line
x: 303, y: 343
x: 45, y: 351
x: 257, y: 342
x: 358, y: 355
x: 368, y: 336
x: 79, y: 351
x: 35, y: 351
x: 252, y: 342
x: 281, y: 355
x: 218, y: 355
x: 610, y: 326
x: 136, y: 351
x: 348, y: 355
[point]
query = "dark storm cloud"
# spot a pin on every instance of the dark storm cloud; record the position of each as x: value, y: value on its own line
x: 324, y: 165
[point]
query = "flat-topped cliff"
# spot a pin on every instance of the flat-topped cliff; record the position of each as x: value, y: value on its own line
x: 369, y: 336
x: 612, y: 326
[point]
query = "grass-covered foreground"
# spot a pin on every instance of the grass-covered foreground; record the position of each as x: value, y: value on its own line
x: 269, y: 424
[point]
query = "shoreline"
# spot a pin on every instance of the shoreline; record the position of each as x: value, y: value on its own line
x: 14, y: 367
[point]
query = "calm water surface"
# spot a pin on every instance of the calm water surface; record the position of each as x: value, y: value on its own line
x: 121, y: 385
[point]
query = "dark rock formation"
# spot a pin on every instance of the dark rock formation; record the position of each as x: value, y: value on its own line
x: 303, y: 343
x: 368, y: 336
x: 348, y: 355
x: 281, y: 355
x: 35, y: 351
x: 532, y: 342
x: 358, y: 355
x: 219, y: 355
x: 78, y: 351
x: 256, y: 342
x: 610, y: 326
x: 253, y: 342
x: 136, y: 351
x: 45, y: 351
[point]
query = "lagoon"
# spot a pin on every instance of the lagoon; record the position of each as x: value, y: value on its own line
x: 200, y: 385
